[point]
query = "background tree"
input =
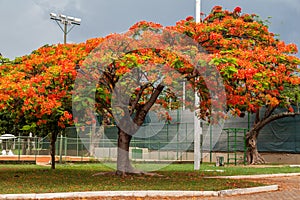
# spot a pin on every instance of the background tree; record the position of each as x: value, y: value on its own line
x: 8, y: 116
x: 36, y: 89
x: 259, y: 71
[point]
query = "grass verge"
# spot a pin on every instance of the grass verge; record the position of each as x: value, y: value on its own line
x: 79, y: 177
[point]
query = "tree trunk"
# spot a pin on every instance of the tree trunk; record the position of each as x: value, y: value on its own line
x: 253, y: 157
x: 123, y: 163
x: 52, y: 149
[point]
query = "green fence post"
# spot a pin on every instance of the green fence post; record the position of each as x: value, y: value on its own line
x: 77, y: 146
x: 66, y: 146
x: 158, y: 150
x: 235, y: 144
x: 187, y: 142
x: 60, y: 148
x: 245, y: 147
x: 36, y: 147
x: 167, y: 132
x: 19, y: 145
x: 177, y: 146
x: 82, y: 154
x: 56, y: 148
x: 228, y: 146
x: 210, y: 143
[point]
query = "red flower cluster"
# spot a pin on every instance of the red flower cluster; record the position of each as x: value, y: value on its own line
x: 189, y: 18
x: 217, y: 9
x: 237, y: 9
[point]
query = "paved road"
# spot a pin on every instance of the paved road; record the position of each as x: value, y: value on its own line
x: 289, y: 189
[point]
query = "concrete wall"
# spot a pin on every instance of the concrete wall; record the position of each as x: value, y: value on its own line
x: 143, y: 154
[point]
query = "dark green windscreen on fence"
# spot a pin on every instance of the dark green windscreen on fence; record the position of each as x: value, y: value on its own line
x: 158, y: 134
x: 282, y: 135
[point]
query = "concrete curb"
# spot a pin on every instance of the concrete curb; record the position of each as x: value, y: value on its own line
x: 158, y: 193
x: 149, y: 193
x: 257, y: 176
x: 268, y: 188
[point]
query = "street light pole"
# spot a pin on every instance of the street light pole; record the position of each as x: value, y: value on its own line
x: 65, y: 33
x: 66, y: 21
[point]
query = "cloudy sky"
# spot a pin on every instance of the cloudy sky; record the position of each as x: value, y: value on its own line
x: 26, y: 24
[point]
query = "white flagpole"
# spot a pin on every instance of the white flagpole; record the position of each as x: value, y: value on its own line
x: 197, y: 127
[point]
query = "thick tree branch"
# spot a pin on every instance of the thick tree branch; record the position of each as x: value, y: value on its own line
x: 257, y: 117
x: 134, y: 102
x: 269, y: 111
x: 153, y: 97
x: 274, y: 117
x: 141, y: 113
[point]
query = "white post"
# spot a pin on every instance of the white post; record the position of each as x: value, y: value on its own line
x: 60, y: 148
x: 197, y: 127
x: 197, y: 133
x: 183, y: 95
x: 198, y: 11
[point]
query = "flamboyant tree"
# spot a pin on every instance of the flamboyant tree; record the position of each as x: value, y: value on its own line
x: 259, y: 70
x: 36, y: 89
x: 130, y: 73
x: 259, y: 73
x: 7, y: 124
x: 126, y: 75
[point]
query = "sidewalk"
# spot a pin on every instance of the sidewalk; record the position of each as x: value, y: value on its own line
x: 234, y: 193
x: 288, y: 189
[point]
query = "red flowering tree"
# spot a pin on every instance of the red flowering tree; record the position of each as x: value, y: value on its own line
x: 36, y: 89
x: 260, y: 72
x: 7, y: 124
x: 130, y: 74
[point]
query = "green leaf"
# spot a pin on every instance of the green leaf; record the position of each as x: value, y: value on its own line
x: 232, y: 69
x: 265, y: 84
x: 52, y: 52
x: 28, y: 127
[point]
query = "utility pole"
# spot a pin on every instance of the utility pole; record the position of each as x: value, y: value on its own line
x: 65, y: 21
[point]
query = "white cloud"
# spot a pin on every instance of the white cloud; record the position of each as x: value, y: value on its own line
x: 55, y: 5
x: 28, y: 25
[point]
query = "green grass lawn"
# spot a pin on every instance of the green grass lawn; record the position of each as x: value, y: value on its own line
x: 79, y: 177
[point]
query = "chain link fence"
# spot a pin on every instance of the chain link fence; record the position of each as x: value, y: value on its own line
x: 155, y: 142
x: 173, y: 141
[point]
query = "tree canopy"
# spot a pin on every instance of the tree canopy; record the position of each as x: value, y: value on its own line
x: 256, y: 70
